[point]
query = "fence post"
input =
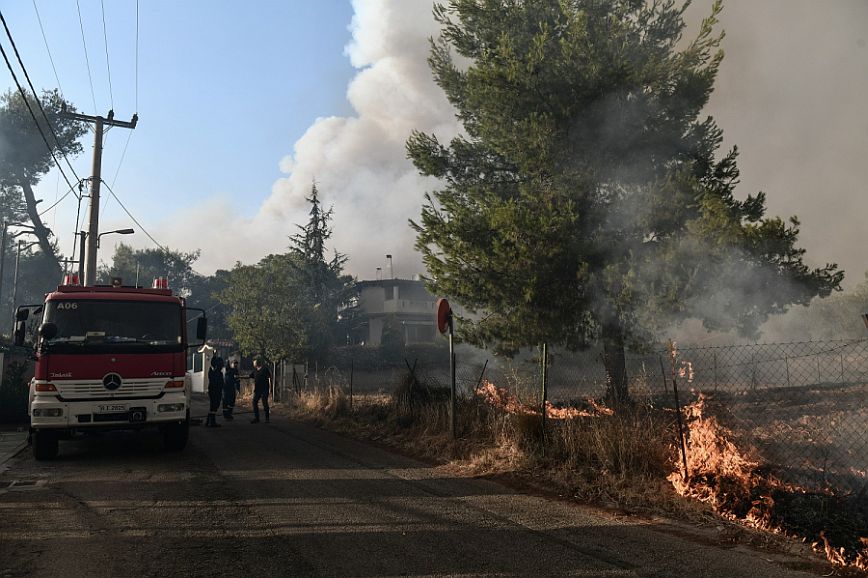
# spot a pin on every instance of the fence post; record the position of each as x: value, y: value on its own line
x: 663, y: 370
x: 677, y: 414
x: 842, y: 369
x: 481, y: 375
x: 452, y: 393
x: 545, y: 363
x: 787, y: 365
x: 819, y: 379
x: 352, y: 367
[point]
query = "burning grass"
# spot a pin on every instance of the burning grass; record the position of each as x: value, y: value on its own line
x: 590, y: 452
x: 586, y: 450
x: 734, y: 482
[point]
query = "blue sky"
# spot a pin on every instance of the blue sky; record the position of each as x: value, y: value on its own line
x: 224, y: 89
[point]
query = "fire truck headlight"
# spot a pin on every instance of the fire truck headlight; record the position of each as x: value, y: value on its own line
x: 48, y: 412
x: 170, y: 407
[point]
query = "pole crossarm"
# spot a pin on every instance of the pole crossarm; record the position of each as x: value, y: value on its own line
x: 107, y: 121
x: 92, y: 235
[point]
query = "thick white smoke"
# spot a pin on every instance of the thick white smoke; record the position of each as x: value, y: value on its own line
x: 359, y: 162
x: 789, y: 94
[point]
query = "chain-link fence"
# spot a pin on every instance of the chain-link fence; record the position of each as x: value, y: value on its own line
x: 800, y: 408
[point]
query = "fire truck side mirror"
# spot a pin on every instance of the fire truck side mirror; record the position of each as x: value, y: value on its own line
x: 201, y: 328
x: 18, y: 336
x: 22, y: 314
x: 48, y: 330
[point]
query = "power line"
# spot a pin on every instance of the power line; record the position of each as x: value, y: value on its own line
x: 33, y: 115
x: 107, y: 65
x: 39, y: 104
x: 118, y: 169
x: 86, y: 59
x: 45, y: 40
x: 123, y: 154
x: 58, y: 201
x: 77, y: 217
x: 137, y: 55
x: 145, y: 231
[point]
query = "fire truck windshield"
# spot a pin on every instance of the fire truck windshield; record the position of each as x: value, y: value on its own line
x: 106, y: 326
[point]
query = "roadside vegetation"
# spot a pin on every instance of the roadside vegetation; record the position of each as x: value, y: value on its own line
x: 627, y: 459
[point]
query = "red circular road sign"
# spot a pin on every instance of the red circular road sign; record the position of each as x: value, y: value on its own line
x: 444, y: 314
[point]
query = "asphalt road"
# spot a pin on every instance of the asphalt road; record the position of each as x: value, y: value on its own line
x: 286, y: 499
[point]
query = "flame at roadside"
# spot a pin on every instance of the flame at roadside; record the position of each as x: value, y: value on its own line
x: 732, y: 481
x: 504, y: 400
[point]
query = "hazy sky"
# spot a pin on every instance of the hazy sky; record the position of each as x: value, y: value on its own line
x: 242, y: 105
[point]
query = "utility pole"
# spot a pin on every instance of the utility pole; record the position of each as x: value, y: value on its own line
x: 93, y: 220
x: 2, y: 257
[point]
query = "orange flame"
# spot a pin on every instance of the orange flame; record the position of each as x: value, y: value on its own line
x: 727, y: 478
x: 505, y: 400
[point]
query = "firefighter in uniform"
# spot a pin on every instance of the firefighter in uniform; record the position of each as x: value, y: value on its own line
x: 261, y: 386
x: 215, y: 390
x: 231, y: 386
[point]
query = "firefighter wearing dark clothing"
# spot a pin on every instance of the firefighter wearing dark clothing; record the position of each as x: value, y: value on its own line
x: 215, y: 390
x: 231, y: 386
x: 261, y: 386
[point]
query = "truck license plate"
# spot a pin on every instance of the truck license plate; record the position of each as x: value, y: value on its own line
x: 111, y: 408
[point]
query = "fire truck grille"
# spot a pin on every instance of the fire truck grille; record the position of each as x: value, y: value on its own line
x: 128, y: 389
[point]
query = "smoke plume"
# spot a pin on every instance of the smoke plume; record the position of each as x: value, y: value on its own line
x: 790, y: 94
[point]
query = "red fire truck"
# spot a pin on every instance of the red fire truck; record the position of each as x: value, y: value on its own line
x: 107, y: 358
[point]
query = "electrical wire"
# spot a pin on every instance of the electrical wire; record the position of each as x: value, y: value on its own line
x: 33, y: 114
x: 77, y: 216
x: 45, y: 40
x: 56, y: 196
x: 86, y: 59
x: 58, y: 201
x: 123, y: 155
x: 137, y: 55
x: 107, y: 65
x: 145, y: 231
x: 39, y: 104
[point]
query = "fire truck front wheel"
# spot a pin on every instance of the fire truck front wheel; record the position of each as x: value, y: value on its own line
x: 175, y: 436
x: 44, y: 444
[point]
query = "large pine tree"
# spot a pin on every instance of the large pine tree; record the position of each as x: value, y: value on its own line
x: 585, y: 201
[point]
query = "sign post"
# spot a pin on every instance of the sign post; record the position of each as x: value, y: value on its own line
x: 445, y: 323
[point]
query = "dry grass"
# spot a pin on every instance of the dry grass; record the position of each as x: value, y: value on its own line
x: 617, y: 459
x: 592, y: 454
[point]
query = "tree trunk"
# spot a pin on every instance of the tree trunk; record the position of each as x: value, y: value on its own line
x: 615, y: 362
x: 40, y: 230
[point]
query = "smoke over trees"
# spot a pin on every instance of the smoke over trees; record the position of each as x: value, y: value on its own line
x: 587, y: 201
x: 286, y: 306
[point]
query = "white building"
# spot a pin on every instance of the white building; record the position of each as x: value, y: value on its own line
x: 401, y: 302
